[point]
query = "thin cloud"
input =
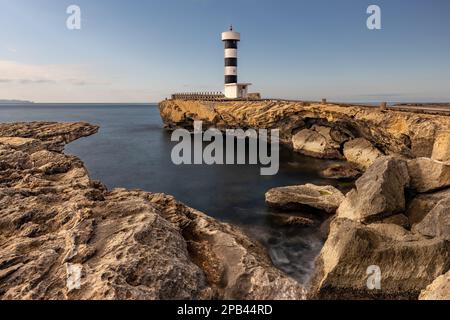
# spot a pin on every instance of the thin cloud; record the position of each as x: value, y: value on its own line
x: 11, y: 49
x: 28, y: 74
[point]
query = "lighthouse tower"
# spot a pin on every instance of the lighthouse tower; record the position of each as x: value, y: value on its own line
x: 233, y: 89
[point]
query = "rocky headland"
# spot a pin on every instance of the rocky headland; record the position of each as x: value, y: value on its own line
x: 396, y: 219
x: 65, y: 236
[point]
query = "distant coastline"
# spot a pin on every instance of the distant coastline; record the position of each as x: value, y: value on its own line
x: 15, y: 102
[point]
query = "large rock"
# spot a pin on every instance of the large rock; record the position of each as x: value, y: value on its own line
x: 422, y: 204
x: 441, y: 149
x: 379, y: 192
x: 437, y: 222
x: 325, y: 198
x: 316, y: 144
x: 428, y: 175
x: 64, y: 236
x: 438, y: 290
x: 361, y: 153
x: 407, y: 262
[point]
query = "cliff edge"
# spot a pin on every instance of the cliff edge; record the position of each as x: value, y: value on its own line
x: 355, y: 133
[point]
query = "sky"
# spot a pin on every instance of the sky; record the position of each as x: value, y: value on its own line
x: 144, y: 50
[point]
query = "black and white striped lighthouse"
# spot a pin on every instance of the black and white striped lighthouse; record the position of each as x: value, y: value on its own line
x: 233, y: 89
x: 231, y: 40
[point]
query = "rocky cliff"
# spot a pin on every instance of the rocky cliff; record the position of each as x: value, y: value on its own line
x: 65, y: 236
x: 323, y: 130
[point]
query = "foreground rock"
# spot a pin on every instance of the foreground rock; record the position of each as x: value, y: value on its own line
x: 297, y: 197
x: 408, y: 262
x: 438, y: 290
x: 428, y: 175
x: 64, y: 236
x: 379, y: 192
x: 370, y: 233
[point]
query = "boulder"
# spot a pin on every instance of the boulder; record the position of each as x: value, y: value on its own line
x: 437, y: 222
x: 428, y: 175
x: 379, y: 192
x: 313, y: 143
x: 438, y: 290
x: 422, y: 204
x: 408, y: 262
x: 325, y: 198
x: 361, y: 153
x: 441, y: 149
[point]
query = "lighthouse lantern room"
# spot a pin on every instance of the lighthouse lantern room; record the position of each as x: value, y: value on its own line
x: 233, y: 89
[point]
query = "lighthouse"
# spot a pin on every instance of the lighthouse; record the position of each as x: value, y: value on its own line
x: 233, y: 89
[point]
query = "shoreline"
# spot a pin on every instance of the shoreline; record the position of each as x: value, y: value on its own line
x: 129, y: 244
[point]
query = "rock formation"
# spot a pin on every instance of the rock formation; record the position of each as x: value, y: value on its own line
x: 325, y: 198
x: 370, y: 230
x: 407, y: 134
x: 438, y: 290
x: 379, y: 192
x: 65, y: 236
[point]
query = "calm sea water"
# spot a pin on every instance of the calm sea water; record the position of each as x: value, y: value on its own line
x: 132, y: 150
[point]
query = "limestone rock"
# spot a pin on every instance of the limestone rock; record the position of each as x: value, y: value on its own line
x: 438, y: 290
x: 53, y: 135
x: 379, y: 192
x: 325, y: 198
x: 21, y: 144
x: 437, y: 222
x: 428, y: 175
x: 361, y: 153
x: 407, y: 134
x: 422, y: 204
x: 64, y: 236
x: 408, y: 262
x: 313, y: 143
x: 441, y: 149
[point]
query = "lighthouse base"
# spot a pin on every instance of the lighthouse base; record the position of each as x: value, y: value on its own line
x: 236, y: 90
